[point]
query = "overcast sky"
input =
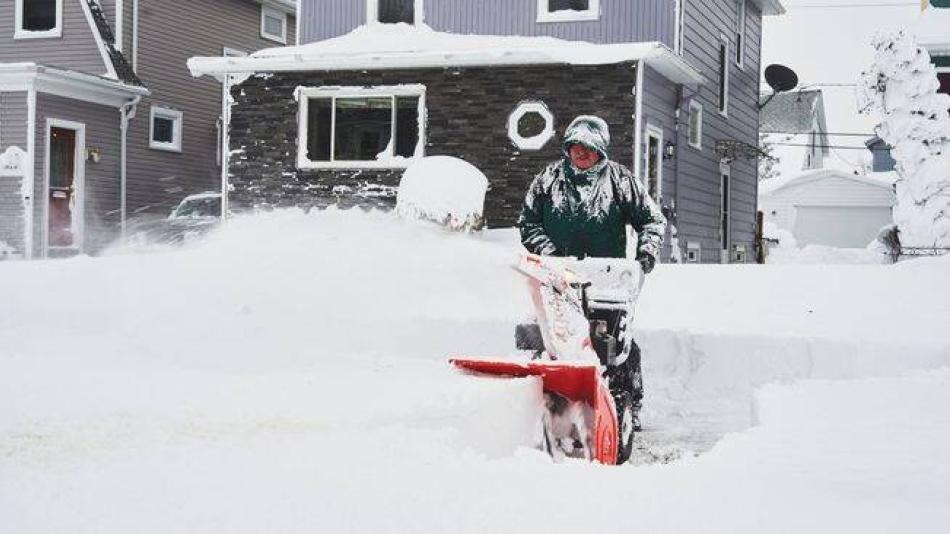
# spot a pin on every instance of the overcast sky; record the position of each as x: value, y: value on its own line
x: 831, y: 45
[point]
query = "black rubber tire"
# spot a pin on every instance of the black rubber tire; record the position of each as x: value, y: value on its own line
x: 624, y: 405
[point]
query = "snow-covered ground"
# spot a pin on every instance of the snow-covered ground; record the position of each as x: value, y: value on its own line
x: 288, y: 374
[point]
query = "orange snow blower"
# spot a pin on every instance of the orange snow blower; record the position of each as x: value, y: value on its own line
x: 571, y: 346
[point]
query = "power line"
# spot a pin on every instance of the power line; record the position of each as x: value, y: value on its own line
x: 837, y: 6
x: 836, y: 134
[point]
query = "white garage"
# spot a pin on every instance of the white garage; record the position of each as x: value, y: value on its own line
x: 829, y: 207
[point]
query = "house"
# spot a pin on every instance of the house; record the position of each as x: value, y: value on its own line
x: 794, y: 132
x: 829, y: 207
x: 932, y: 33
x: 100, y: 120
x: 881, y: 158
x: 375, y: 84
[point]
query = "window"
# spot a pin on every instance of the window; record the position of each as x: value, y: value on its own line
x: 654, y: 163
x: 37, y: 19
x: 165, y: 129
x: 568, y: 10
x: 394, y: 11
x: 693, y: 252
x: 379, y: 127
x: 723, y: 75
x: 725, y: 226
x: 740, y: 31
x: 531, y: 126
x: 695, y: 124
x: 273, y: 24
x: 943, y: 76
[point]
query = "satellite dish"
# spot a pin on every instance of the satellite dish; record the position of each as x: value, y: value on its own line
x: 780, y: 78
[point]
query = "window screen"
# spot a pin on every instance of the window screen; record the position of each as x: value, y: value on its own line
x: 163, y: 130
x: 395, y: 11
x: 39, y: 15
x: 273, y: 24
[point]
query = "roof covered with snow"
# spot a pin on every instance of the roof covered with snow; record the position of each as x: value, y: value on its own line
x: 883, y: 180
x: 932, y: 29
x: 401, y: 46
x: 792, y: 112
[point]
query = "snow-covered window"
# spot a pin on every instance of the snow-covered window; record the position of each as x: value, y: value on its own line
x: 165, y: 129
x: 695, y: 124
x: 273, y: 24
x: 568, y: 10
x: 531, y: 126
x: 377, y: 127
x: 723, y: 96
x: 740, y: 31
x: 394, y: 11
x: 38, y: 19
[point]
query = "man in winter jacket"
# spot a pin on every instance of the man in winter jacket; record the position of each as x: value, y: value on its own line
x: 580, y: 206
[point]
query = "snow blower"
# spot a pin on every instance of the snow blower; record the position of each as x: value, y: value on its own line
x: 577, y: 338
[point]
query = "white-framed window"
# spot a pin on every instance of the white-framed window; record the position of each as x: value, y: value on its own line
x: 360, y: 127
x: 738, y: 254
x: 680, y: 27
x: 740, y: 32
x: 568, y: 10
x: 695, y: 124
x: 38, y: 19
x: 723, y: 88
x: 693, y: 252
x: 725, y: 211
x: 165, y: 128
x: 653, y: 173
x: 394, y: 11
x: 273, y: 24
x: 531, y: 125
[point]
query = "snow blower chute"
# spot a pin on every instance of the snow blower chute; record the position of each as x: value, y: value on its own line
x: 577, y: 337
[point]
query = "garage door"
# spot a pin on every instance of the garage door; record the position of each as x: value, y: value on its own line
x: 835, y: 226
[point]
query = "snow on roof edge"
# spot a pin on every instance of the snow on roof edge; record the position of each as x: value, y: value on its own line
x: 376, y: 48
x: 878, y: 179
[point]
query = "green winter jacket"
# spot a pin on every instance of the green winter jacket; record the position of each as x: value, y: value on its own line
x: 568, y: 212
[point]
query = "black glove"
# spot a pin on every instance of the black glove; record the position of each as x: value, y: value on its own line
x: 647, y: 262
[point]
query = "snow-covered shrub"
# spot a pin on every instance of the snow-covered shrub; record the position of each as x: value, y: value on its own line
x: 901, y: 86
x: 444, y: 190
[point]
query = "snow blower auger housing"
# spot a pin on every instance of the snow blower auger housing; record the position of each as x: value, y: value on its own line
x: 575, y: 341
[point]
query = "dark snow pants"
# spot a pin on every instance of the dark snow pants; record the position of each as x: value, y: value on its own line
x: 627, y: 377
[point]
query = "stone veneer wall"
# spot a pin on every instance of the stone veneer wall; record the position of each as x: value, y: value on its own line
x: 467, y: 117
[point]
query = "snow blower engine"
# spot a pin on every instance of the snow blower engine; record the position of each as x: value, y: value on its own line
x: 584, y: 309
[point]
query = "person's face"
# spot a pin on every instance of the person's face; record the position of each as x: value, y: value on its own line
x: 582, y: 157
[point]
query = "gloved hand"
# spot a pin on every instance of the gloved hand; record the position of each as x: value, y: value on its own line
x: 647, y: 262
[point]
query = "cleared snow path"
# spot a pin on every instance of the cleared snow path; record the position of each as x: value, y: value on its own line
x: 289, y: 374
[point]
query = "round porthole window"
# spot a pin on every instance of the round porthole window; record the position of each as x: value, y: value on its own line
x: 531, y: 126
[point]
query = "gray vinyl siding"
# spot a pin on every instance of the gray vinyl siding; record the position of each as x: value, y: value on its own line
x: 620, y: 20
x: 75, y: 50
x: 699, y: 191
x: 13, y: 126
x: 170, y: 32
x: 102, y: 186
x: 659, y: 104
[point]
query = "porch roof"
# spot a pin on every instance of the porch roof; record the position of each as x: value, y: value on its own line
x: 399, y: 46
x: 68, y: 84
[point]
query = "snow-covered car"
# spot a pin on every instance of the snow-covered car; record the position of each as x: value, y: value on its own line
x: 192, y: 218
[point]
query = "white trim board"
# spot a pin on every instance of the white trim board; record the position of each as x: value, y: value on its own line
x: 68, y: 84
x: 100, y: 43
x: 79, y: 184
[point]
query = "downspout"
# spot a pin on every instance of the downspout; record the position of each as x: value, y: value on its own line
x: 119, y: 24
x: 225, y: 143
x: 127, y: 111
x: 30, y: 174
x: 638, y: 122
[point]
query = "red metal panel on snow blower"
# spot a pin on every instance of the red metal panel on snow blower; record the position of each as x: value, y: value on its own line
x: 576, y: 382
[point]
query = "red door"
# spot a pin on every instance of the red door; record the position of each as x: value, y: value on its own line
x: 62, y: 175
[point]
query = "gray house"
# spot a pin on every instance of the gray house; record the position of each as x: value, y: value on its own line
x: 100, y: 120
x: 376, y: 83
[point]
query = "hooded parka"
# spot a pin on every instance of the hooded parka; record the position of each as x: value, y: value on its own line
x: 570, y: 212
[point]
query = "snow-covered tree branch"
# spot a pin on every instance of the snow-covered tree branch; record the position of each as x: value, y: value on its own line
x: 901, y: 86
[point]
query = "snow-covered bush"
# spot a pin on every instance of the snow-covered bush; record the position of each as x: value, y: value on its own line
x: 901, y: 86
x: 444, y: 190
